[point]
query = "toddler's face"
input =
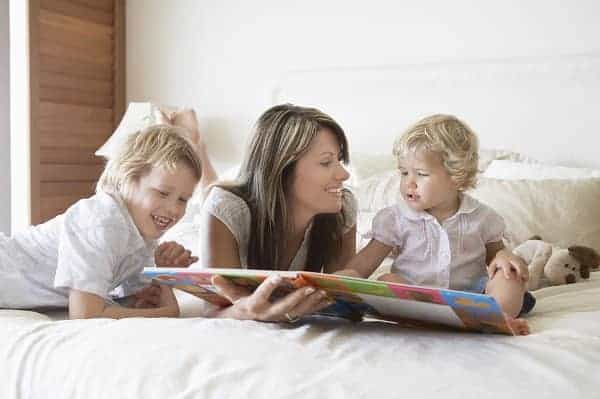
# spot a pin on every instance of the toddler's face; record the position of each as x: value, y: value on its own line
x: 158, y: 200
x: 426, y: 185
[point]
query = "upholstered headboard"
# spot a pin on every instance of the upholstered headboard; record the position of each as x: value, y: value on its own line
x: 544, y: 107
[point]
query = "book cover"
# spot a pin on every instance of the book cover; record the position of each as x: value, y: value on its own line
x: 356, y: 298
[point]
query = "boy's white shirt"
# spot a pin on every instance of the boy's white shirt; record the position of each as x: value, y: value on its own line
x: 451, y: 255
x: 93, y: 247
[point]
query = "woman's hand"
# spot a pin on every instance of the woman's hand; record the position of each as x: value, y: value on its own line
x: 256, y: 305
x: 512, y: 266
x: 171, y: 254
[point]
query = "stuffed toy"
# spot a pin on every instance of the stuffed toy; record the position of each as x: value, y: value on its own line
x: 551, y: 265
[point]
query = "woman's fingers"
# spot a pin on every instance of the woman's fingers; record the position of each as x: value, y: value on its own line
x: 229, y: 289
x: 308, y: 304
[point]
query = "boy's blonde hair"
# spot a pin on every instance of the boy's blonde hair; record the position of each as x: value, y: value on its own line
x: 451, y: 138
x: 158, y: 145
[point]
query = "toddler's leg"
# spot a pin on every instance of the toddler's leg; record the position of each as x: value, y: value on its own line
x: 509, y: 295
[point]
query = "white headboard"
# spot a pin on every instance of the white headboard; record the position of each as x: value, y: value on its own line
x: 547, y: 108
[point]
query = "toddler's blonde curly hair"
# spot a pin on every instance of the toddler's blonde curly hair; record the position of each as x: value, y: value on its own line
x: 451, y: 138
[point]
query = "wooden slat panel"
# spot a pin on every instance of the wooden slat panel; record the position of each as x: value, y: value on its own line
x: 78, y: 11
x: 105, y: 5
x: 70, y: 140
x: 81, y: 189
x: 119, y: 59
x: 48, y: 48
x: 34, y: 145
x: 102, y: 45
x: 75, y: 68
x: 54, y: 112
x: 78, y: 97
x: 52, y: 206
x: 97, y: 129
x: 69, y: 155
x: 76, y: 25
x: 60, y: 81
x: 99, y: 87
x: 58, y: 172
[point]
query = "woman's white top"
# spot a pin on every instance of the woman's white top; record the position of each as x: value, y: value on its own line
x: 93, y: 247
x: 234, y: 213
x: 447, y: 255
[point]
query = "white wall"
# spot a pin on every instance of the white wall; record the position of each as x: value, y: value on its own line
x: 4, y: 120
x: 225, y: 57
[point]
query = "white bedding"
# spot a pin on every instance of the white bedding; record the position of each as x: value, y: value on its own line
x: 45, y: 357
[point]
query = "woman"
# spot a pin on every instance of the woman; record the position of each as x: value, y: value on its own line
x: 287, y: 210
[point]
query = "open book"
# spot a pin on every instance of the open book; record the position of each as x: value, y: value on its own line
x: 356, y: 298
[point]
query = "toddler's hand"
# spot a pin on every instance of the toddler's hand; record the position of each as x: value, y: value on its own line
x: 171, y: 254
x: 348, y: 272
x: 512, y: 266
x: 392, y: 278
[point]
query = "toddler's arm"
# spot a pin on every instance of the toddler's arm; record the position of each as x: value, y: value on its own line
x: 84, y: 305
x: 368, y: 259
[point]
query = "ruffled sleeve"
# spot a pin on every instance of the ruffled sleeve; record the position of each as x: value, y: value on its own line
x: 232, y: 211
x: 349, y: 210
x: 493, y: 226
x: 386, y: 228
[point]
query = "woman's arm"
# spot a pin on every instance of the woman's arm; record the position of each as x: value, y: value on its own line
x: 84, y: 305
x: 218, y: 247
x: 347, y: 253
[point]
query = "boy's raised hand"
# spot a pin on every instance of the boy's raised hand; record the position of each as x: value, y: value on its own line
x: 171, y: 254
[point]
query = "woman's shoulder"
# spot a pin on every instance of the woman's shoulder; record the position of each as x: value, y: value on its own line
x: 223, y: 198
x: 228, y: 207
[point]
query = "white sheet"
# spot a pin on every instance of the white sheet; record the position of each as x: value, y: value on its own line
x: 195, y: 357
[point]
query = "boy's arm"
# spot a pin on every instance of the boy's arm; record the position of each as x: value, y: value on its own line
x: 84, y: 305
x: 368, y: 259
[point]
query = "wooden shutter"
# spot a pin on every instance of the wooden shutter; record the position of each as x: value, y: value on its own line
x: 77, y: 69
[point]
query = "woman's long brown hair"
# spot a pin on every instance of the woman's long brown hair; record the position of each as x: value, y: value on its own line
x: 281, y: 136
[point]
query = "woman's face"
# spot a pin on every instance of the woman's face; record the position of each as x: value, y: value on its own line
x: 316, y: 185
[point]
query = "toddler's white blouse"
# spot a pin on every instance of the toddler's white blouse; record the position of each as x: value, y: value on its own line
x: 234, y: 213
x: 448, y: 255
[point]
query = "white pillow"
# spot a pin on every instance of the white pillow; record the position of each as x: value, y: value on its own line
x: 365, y: 166
x: 562, y: 211
x: 486, y: 157
x: 503, y: 169
x: 137, y: 117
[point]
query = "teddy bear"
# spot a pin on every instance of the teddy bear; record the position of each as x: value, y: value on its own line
x: 552, y: 265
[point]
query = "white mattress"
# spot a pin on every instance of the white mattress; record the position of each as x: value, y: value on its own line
x: 45, y: 357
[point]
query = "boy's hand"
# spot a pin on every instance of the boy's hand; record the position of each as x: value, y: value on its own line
x: 168, y: 301
x: 512, y: 266
x: 147, y: 297
x: 171, y: 254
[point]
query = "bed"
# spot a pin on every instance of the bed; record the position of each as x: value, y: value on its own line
x: 43, y: 355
